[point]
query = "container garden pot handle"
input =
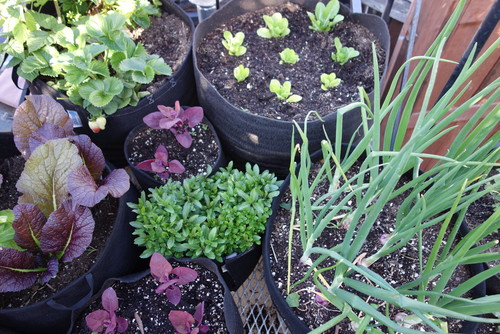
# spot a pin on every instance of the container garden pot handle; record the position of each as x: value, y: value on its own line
x: 84, y: 284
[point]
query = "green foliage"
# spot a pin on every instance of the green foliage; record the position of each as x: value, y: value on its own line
x: 329, y: 81
x: 288, y: 56
x: 241, y: 73
x: 234, y: 44
x: 325, y: 17
x: 206, y: 216
x: 277, y: 26
x: 88, y: 53
x: 283, y: 92
x: 343, y: 53
x: 6, y: 230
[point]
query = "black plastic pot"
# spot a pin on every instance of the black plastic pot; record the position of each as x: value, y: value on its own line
x: 7, y: 144
x: 53, y: 315
x: 258, y: 139
x: 178, y: 87
x: 231, y: 314
x: 145, y: 179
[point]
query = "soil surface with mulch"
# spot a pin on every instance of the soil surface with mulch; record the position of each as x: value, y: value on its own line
x: 262, y: 58
x: 396, y: 268
x: 196, y: 159
x: 152, y: 309
x: 104, y: 215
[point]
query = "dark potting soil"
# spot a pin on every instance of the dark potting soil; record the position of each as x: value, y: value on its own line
x: 152, y: 309
x: 104, y: 215
x: 196, y: 159
x: 262, y: 58
x: 397, y: 268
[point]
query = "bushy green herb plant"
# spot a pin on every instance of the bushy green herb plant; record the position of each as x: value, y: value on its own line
x: 241, y: 73
x: 283, y: 92
x: 276, y: 26
x: 325, y: 17
x: 343, y: 54
x: 329, y: 81
x: 288, y: 56
x: 234, y: 44
x: 206, y: 216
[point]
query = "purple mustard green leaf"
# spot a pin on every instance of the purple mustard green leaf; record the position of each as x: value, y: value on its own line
x: 32, y: 114
x: 51, y: 272
x: 91, y: 154
x: 68, y: 231
x: 44, y: 179
x: 117, y: 183
x: 46, y: 132
x: 28, y: 224
x: 18, y: 270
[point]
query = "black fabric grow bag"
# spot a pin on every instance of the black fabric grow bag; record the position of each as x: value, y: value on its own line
x: 178, y: 87
x: 231, y: 314
x: 258, y: 139
x: 53, y: 315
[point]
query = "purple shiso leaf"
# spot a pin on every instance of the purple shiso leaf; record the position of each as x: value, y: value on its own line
x: 146, y: 165
x: 161, y: 153
x: 95, y: 320
x: 181, y: 321
x: 194, y: 115
x: 46, y: 132
x: 91, y: 154
x: 160, y: 267
x: 168, y: 124
x: 28, y: 223
x: 121, y: 324
x: 184, y: 275
x: 109, y: 300
x: 67, y: 231
x: 198, y: 312
x: 83, y: 189
x: 167, y: 111
x: 184, y: 138
x: 14, y: 280
x: 153, y: 119
x: 31, y: 114
x: 176, y: 167
x: 52, y: 269
x: 173, y: 294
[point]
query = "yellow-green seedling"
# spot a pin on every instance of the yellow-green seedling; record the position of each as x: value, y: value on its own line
x: 325, y: 17
x: 234, y: 44
x: 288, y: 56
x: 277, y: 26
x: 343, y: 53
x: 241, y: 73
x: 283, y: 92
x: 329, y: 81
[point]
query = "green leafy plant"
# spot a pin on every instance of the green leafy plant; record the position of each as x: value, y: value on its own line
x: 329, y: 81
x: 241, y: 73
x: 432, y: 198
x: 283, y: 92
x: 234, y: 44
x: 90, y: 58
x: 276, y: 26
x: 206, y: 216
x: 343, y: 54
x: 325, y: 17
x: 288, y: 56
x: 6, y: 230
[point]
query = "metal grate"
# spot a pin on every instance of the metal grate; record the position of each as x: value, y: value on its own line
x: 256, y: 308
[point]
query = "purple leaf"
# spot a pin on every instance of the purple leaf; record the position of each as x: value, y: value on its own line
x: 146, y: 165
x: 109, y: 300
x: 116, y: 183
x: 194, y: 115
x: 184, y: 138
x: 184, y: 275
x: 198, y: 312
x: 95, y: 320
x: 168, y: 124
x: 27, y: 225
x: 98, y: 320
x: 153, y: 119
x: 121, y: 324
x: 175, y: 167
x: 67, y: 231
x: 181, y: 321
x: 91, y: 154
x: 52, y: 269
x: 13, y: 260
x: 160, y: 267
x: 173, y: 294
x: 46, y: 132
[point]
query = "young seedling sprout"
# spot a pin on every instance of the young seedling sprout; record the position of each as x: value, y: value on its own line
x: 329, y: 81
x: 183, y: 322
x: 288, y: 56
x: 161, y: 165
x: 325, y: 17
x: 343, y: 53
x: 277, y: 26
x: 234, y: 44
x: 283, y: 92
x: 241, y: 73
x: 99, y: 320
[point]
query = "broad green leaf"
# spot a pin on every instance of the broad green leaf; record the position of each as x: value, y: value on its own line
x: 113, y: 86
x: 294, y: 98
x: 43, y: 181
x: 87, y: 88
x: 20, y: 32
x: 133, y: 64
x: 37, y: 39
x: 293, y: 299
x: 160, y: 67
x: 99, y: 67
x: 74, y: 75
x: 100, y: 98
x: 116, y: 59
x: 46, y: 21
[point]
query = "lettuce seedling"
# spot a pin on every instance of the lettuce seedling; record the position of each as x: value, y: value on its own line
x: 288, y: 56
x: 329, y: 81
x: 160, y: 164
x: 325, y: 17
x: 177, y: 120
x: 234, y: 44
x: 163, y: 272
x: 343, y: 53
x: 283, y: 91
x: 183, y: 322
x: 277, y: 26
x: 60, y: 180
x: 99, y: 320
x: 241, y: 73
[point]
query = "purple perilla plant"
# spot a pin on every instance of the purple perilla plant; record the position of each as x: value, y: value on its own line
x: 160, y: 164
x: 177, y: 120
x: 171, y: 277
x: 99, y: 320
x: 183, y: 322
